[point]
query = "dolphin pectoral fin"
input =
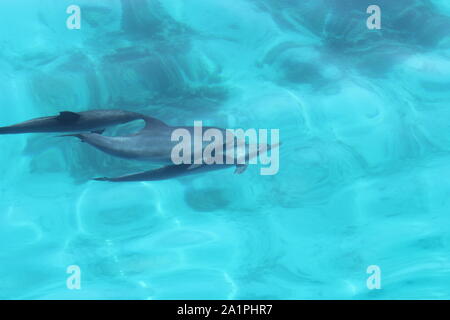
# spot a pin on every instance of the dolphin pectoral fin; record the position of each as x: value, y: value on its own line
x: 194, y: 166
x: 102, y: 179
x: 68, y: 117
x: 240, y: 168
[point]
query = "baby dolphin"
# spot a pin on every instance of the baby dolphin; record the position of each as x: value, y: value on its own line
x: 68, y: 121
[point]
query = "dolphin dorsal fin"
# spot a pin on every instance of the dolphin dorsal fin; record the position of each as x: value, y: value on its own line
x: 68, y: 117
x: 151, y: 123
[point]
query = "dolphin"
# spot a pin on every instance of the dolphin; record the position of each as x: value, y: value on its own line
x: 152, y: 144
x: 68, y: 121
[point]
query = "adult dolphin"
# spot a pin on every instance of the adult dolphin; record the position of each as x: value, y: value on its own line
x: 68, y: 121
x: 152, y: 144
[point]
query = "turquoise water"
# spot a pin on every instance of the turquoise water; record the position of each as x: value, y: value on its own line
x: 363, y: 116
